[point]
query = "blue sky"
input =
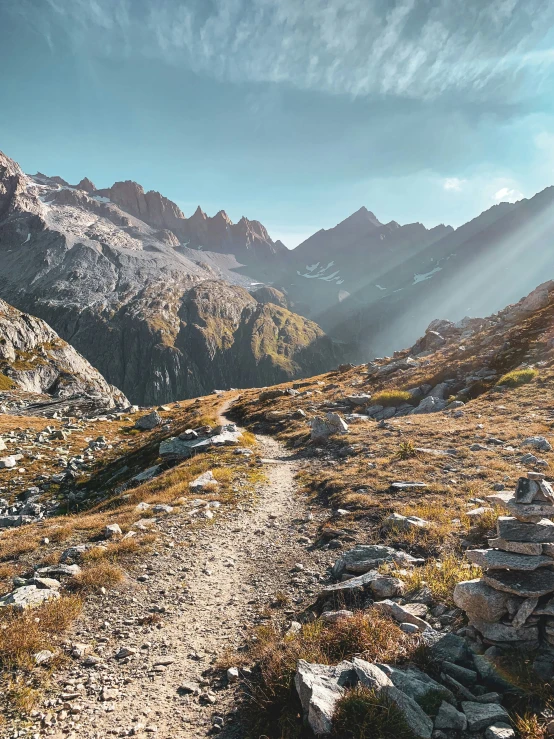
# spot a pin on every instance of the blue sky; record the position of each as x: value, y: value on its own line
x: 293, y: 112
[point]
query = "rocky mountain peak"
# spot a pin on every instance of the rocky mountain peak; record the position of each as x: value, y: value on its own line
x: 86, y: 185
x: 198, y: 215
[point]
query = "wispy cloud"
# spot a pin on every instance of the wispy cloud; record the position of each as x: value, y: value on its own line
x: 360, y: 47
x: 508, y: 195
x: 453, y: 184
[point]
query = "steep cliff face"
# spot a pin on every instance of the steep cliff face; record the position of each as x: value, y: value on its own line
x: 35, y: 360
x: 248, y: 240
x: 158, y: 319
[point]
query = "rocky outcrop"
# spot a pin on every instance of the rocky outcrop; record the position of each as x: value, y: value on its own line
x: 35, y: 360
x: 158, y: 317
x: 248, y: 240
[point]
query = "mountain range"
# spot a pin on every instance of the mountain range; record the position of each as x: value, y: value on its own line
x: 169, y: 306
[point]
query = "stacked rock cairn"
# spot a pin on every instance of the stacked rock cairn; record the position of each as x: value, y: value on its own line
x: 512, y: 605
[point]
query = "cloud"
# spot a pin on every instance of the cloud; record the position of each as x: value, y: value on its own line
x: 508, y: 195
x: 453, y: 183
x: 360, y: 47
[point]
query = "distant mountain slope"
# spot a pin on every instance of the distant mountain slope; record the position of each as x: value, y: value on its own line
x: 158, y: 318
x: 334, y: 264
x: 378, y: 286
x: 489, y: 262
x: 34, y: 359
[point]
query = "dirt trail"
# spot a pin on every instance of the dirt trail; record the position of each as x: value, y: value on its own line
x: 232, y: 570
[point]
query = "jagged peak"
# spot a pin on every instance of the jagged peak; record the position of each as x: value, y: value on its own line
x: 86, y: 185
x: 221, y: 215
x: 199, y: 214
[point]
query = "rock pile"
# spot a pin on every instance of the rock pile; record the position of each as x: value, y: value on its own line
x: 513, y: 603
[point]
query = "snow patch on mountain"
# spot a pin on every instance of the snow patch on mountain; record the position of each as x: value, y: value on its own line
x: 425, y: 276
x: 321, y: 273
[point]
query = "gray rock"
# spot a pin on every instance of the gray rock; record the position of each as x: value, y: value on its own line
x: 148, y: 422
x: 476, y: 597
x: 8, y: 462
x: 400, y: 614
x: 319, y: 688
x: 204, y: 481
x: 430, y: 404
x: 526, y: 512
x: 449, y: 718
x: 371, y: 675
x: 405, y: 523
x: 481, y: 715
x: 518, y: 547
x: 112, y: 531
x: 498, y: 632
x: 527, y: 585
x: 537, y: 442
x: 525, y: 610
x: 494, y: 559
x: 59, y: 570
x: 500, y: 731
x: 418, y: 721
x: 28, y: 596
x: 416, y: 684
x: 333, y: 423
x: 147, y: 474
x: 511, y: 529
x: 467, y: 677
x: 449, y: 647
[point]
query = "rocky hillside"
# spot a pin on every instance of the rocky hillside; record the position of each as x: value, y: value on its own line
x: 38, y: 368
x: 403, y: 586
x: 156, y: 317
x: 380, y: 285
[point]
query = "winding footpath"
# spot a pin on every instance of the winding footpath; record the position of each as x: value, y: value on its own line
x: 210, y: 586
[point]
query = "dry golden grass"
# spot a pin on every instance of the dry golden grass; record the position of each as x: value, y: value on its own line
x: 367, y: 634
x: 364, y: 714
x: 102, y: 574
x: 441, y: 576
x: 24, y: 634
x: 528, y: 726
x: 391, y: 397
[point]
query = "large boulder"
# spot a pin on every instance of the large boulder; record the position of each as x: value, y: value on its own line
x: 479, y: 599
x: 148, y: 422
x: 319, y: 687
x: 332, y: 423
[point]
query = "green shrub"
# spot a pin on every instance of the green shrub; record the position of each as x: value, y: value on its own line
x: 518, y: 377
x: 406, y: 450
x: 364, y: 714
x: 391, y: 398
